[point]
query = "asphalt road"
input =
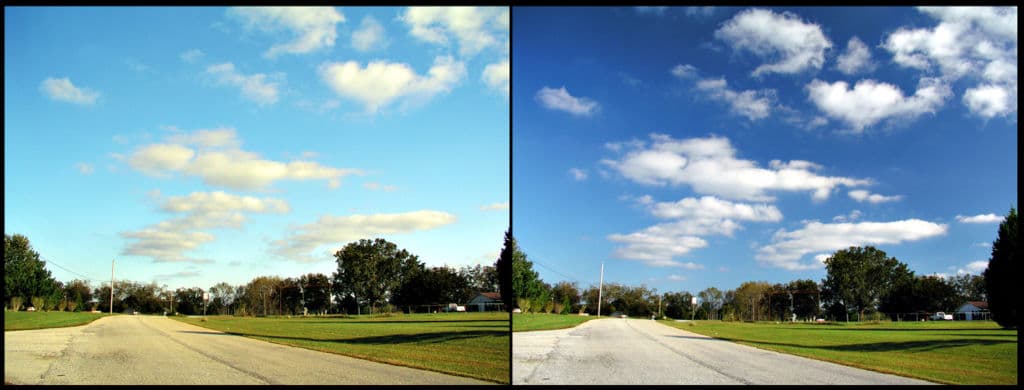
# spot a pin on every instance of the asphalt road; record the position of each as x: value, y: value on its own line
x: 145, y: 350
x: 636, y: 351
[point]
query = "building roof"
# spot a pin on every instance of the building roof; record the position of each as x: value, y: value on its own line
x: 979, y: 304
x: 493, y: 295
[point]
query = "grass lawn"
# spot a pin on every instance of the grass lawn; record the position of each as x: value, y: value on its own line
x: 25, y: 320
x: 960, y: 352
x: 475, y: 345
x: 522, y: 322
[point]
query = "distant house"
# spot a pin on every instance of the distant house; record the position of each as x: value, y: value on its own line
x: 488, y: 301
x: 973, y: 310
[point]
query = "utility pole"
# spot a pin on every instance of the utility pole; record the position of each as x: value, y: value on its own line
x: 659, y: 306
x: 111, y: 286
x: 600, y: 287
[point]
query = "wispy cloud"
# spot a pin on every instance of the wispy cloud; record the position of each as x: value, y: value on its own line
x: 560, y: 99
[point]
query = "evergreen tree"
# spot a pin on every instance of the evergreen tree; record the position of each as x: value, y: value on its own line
x: 1003, y: 274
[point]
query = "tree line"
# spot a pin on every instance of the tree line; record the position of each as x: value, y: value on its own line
x: 861, y: 283
x: 372, y: 276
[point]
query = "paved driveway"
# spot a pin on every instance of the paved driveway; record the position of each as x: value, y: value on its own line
x: 635, y: 351
x: 143, y: 350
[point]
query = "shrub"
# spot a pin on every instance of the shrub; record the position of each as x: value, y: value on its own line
x: 38, y: 302
x: 559, y: 308
x: 523, y: 303
x: 72, y: 306
x: 16, y: 303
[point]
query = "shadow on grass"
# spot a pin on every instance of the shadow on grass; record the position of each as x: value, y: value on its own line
x: 211, y: 333
x: 908, y: 346
x: 415, y: 338
x: 895, y: 329
x: 344, y: 321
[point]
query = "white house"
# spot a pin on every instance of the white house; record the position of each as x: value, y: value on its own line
x: 973, y: 310
x: 488, y: 301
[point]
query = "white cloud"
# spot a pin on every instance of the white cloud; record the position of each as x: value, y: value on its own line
x: 560, y: 99
x: 374, y: 186
x: 705, y: 11
x: 254, y: 87
x: 853, y: 216
x: 380, y: 82
x: 657, y: 245
x: 710, y: 166
x: 314, y: 28
x: 219, y: 161
x: 85, y: 169
x: 974, y: 268
x: 749, y: 103
x: 980, y: 218
x: 979, y: 43
x: 474, y: 28
x: 865, y: 196
x: 62, y: 89
x: 856, y: 59
x: 369, y: 36
x: 796, y: 45
x: 578, y: 174
x: 989, y: 101
x: 650, y: 10
x: 496, y: 76
x: 983, y: 245
x: 676, y: 278
x: 495, y: 206
x: 870, y: 101
x: 710, y: 207
x: 167, y: 241
x: 191, y: 55
x: 338, y: 230
x: 788, y: 248
x: 684, y: 71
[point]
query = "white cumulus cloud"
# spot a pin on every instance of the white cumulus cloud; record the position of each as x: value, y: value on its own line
x: 338, y: 230
x: 709, y: 165
x: 749, y: 103
x: 865, y: 196
x: 380, y: 83
x: 167, y: 241
x: 313, y: 28
x: 785, y: 38
x: 219, y: 161
x: 578, y: 174
x: 560, y: 99
x: 870, y: 102
x: 255, y: 87
x: 473, y: 28
x: 788, y: 247
x: 856, y: 59
x: 977, y: 43
x: 980, y: 218
x: 369, y: 36
x: 62, y: 89
x: 496, y: 76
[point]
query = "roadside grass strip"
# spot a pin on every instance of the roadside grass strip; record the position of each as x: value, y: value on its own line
x: 524, y: 322
x: 26, y: 320
x: 475, y: 345
x: 961, y: 352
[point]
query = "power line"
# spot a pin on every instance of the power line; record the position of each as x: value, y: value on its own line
x: 570, y: 278
x: 73, y: 272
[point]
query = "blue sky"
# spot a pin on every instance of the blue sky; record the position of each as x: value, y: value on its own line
x: 200, y: 145
x: 694, y: 147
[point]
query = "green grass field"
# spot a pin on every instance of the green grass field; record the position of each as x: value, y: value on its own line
x: 524, y: 322
x: 474, y: 345
x: 960, y: 352
x: 25, y: 320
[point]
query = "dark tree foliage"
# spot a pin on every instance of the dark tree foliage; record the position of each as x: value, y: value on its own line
x: 25, y: 274
x: 316, y: 290
x: 290, y: 294
x: 568, y: 295
x: 969, y: 287
x: 373, y: 270
x: 676, y: 305
x: 188, y: 301
x: 434, y: 286
x: 79, y: 293
x: 858, y: 279
x: 525, y: 282
x: 504, y: 269
x: 1003, y: 277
